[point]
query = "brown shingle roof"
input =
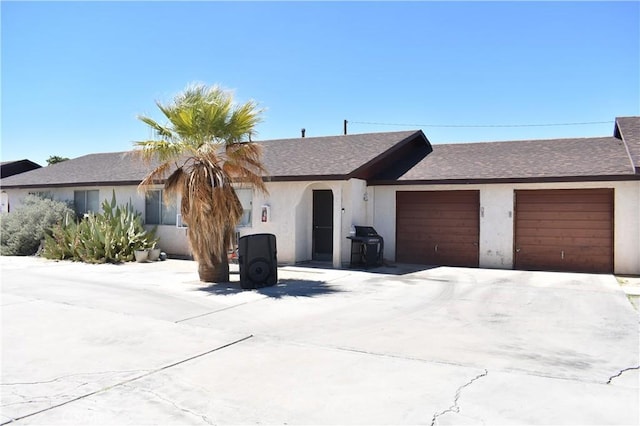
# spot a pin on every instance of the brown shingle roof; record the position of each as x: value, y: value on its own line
x: 523, y: 160
x: 384, y: 155
x: 337, y: 156
x: 329, y: 157
x: 628, y: 129
x: 112, y: 168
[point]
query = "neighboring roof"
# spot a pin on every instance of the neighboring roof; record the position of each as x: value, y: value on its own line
x: 628, y: 129
x: 523, y: 161
x: 313, y: 158
x: 10, y: 168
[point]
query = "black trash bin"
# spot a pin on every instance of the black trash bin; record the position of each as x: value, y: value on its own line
x: 257, y: 258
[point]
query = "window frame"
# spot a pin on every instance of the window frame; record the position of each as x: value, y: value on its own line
x: 246, y: 213
x: 87, y: 208
x: 165, y: 219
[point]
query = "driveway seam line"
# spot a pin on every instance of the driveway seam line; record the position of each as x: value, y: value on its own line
x: 219, y: 310
x: 157, y: 370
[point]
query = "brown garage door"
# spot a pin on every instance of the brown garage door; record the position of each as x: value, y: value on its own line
x: 564, y: 230
x: 438, y: 227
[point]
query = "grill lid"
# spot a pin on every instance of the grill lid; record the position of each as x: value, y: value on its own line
x: 366, y: 231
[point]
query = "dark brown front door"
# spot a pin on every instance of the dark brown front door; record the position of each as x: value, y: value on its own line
x: 564, y: 230
x: 438, y: 227
x: 322, y: 225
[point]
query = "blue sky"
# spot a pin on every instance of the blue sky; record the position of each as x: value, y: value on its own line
x: 76, y: 74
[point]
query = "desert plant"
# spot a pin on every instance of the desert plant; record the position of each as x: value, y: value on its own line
x: 204, y: 148
x: 111, y: 236
x: 23, y: 229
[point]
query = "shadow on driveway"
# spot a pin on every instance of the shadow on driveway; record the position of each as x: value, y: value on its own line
x: 387, y: 268
x: 284, y: 288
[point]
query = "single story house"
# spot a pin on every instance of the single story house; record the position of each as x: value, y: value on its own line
x: 560, y: 204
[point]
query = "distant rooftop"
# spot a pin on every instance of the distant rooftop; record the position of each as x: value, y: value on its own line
x: 11, y: 168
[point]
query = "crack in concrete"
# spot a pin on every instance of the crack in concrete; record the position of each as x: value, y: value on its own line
x: 32, y: 400
x: 526, y: 371
x: 42, y: 382
x: 621, y: 372
x: 455, y: 408
x: 186, y: 410
x: 133, y: 379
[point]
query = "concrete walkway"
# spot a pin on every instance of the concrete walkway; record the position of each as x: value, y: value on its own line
x: 150, y: 344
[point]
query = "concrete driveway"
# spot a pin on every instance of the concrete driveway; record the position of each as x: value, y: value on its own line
x: 150, y: 344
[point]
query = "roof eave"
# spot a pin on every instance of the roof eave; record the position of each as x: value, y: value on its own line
x: 617, y: 133
x: 361, y: 172
x: 71, y: 184
x: 304, y: 178
x: 550, y: 179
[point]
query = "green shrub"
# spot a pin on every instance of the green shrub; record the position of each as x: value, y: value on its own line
x: 24, y: 228
x: 111, y: 236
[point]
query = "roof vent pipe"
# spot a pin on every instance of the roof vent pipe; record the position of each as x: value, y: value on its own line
x: 302, y: 131
x: 345, y: 126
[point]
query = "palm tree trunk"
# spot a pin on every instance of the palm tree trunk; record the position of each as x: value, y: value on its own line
x: 218, y: 273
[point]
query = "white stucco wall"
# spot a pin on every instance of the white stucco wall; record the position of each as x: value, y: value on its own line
x: 290, y: 206
x: 627, y: 228
x: 356, y: 204
x: 124, y: 194
x: 288, y: 210
x: 496, y: 219
x: 173, y: 240
x: 291, y: 217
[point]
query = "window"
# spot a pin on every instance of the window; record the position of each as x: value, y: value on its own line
x: 245, y: 195
x: 156, y: 211
x: 86, y: 201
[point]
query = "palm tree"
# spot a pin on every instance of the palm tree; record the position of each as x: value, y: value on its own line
x: 205, y: 147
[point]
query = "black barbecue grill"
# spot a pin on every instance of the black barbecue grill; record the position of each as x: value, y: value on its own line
x: 367, y: 247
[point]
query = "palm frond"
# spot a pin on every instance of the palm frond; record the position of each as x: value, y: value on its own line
x: 160, y: 150
x: 161, y: 131
x: 242, y: 122
x: 174, y: 184
x: 154, y: 176
x: 244, y: 165
x: 205, y: 140
x: 212, y: 213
